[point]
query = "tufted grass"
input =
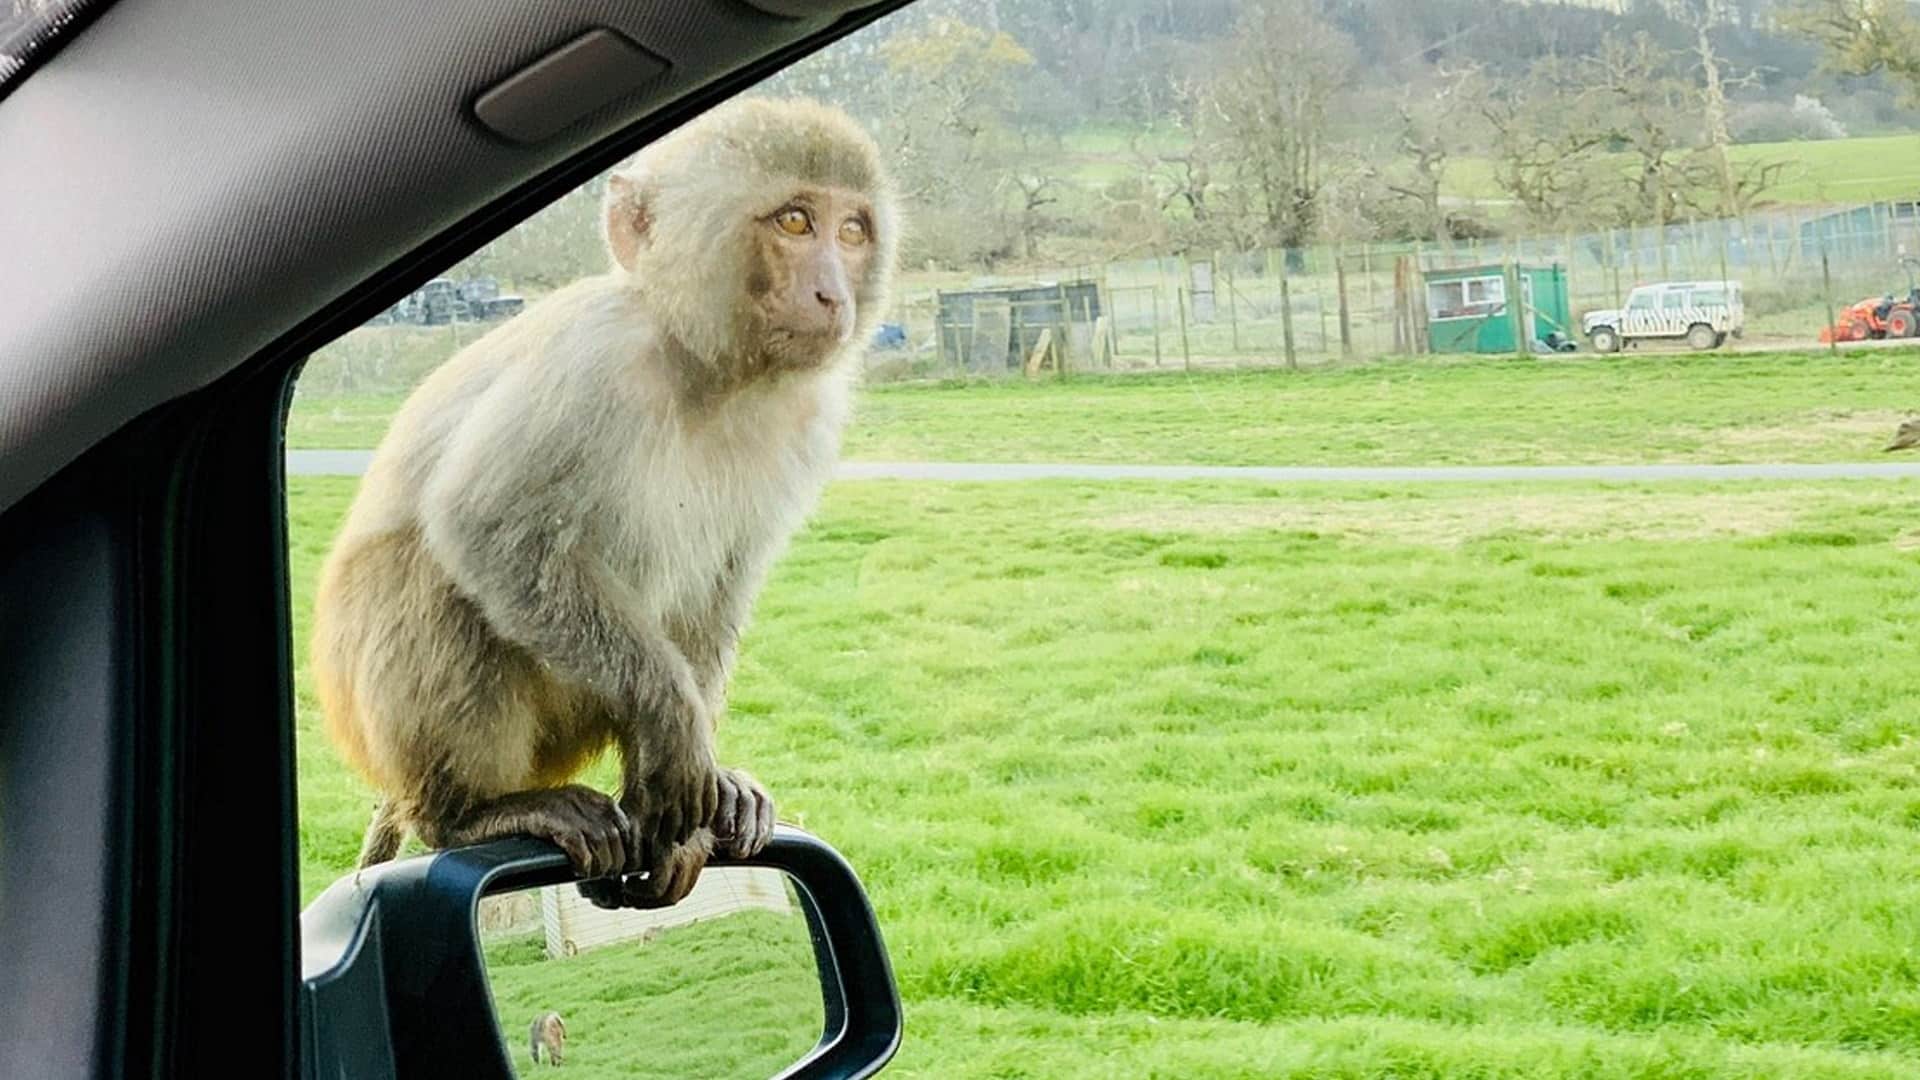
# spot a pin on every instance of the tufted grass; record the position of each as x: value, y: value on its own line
x: 1226, y: 780
x: 1721, y: 407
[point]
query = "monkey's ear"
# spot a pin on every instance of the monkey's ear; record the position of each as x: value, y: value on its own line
x: 629, y: 218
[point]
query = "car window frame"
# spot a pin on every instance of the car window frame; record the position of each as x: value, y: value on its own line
x: 187, y: 505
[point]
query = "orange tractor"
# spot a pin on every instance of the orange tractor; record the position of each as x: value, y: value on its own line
x: 1878, y: 316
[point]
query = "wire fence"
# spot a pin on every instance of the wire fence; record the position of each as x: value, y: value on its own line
x: 1329, y: 303
x: 1297, y: 307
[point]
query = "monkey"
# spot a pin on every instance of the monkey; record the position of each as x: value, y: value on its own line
x: 557, y: 545
x: 1906, y: 436
x: 548, y: 1033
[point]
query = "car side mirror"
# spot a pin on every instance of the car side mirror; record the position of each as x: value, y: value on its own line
x: 402, y: 966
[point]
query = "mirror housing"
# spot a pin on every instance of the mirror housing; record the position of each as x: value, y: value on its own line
x: 394, y: 984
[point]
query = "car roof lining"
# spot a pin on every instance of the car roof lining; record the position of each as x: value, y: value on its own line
x: 161, y: 228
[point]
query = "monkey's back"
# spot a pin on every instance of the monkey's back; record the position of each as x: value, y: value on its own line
x: 386, y: 614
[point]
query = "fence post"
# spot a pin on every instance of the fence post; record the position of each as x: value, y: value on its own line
x: 1113, y: 315
x: 939, y: 336
x: 1517, y: 311
x: 1286, y: 321
x: 1064, y: 357
x: 1093, y: 332
x: 1826, y: 290
x: 1346, y: 326
x: 1417, y: 312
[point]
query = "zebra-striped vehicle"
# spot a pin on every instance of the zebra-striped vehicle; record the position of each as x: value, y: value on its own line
x: 1702, y: 312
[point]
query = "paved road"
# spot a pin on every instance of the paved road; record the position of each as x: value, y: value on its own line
x: 354, y: 462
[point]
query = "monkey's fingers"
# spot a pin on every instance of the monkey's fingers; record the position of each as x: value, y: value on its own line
x: 601, y: 826
x: 679, y: 804
x: 762, y: 820
x: 744, y: 822
x: 698, y: 811
x: 670, y: 882
x: 585, y: 823
x: 736, y: 804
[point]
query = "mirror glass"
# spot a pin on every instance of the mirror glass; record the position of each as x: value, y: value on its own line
x: 722, y: 984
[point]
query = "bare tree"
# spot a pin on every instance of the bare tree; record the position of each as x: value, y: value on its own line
x: 1431, y: 123
x: 1037, y: 190
x: 1736, y: 184
x: 1542, y: 152
x: 1287, y: 63
x: 1650, y: 107
x: 1186, y: 165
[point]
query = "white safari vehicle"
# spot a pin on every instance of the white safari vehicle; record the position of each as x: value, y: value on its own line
x: 1702, y: 312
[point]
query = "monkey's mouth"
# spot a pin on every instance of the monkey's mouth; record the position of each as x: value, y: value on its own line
x: 792, y: 347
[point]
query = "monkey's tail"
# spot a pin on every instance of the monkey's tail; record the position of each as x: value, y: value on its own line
x: 384, y: 834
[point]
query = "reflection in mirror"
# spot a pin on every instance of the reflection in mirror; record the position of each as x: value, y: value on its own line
x: 722, y: 984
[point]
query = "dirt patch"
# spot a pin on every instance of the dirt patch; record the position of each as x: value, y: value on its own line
x: 1869, y: 430
x: 1447, y: 521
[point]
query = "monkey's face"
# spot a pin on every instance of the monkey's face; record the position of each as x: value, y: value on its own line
x: 810, y: 256
x: 762, y: 235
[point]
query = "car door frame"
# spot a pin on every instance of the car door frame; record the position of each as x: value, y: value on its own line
x: 148, y: 836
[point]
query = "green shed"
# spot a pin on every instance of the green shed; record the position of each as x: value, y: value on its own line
x: 1467, y: 307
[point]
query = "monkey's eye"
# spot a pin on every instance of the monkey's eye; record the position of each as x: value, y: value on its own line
x: 794, y: 221
x: 853, y: 232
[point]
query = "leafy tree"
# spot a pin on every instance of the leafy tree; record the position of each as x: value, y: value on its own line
x: 1860, y: 37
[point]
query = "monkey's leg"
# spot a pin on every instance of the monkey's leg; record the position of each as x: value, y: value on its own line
x: 586, y: 824
x: 384, y: 835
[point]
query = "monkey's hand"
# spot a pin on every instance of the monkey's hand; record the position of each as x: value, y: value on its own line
x: 744, y: 822
x: 664, y: 884
x: 678, y: 794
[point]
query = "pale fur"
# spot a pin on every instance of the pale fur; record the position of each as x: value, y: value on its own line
x: 618, y: 460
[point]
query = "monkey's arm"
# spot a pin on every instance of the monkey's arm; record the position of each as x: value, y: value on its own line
x: 499, y: 514
x: 744, y: 822
x: 712, y: 639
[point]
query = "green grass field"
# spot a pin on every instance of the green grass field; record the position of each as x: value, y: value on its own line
x: 1825, y: 171
x: 1227, y: 780
x: 1672, y: 408
x: 1859, y: 169
x: 1669, y: 407
x: 739, y: 996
